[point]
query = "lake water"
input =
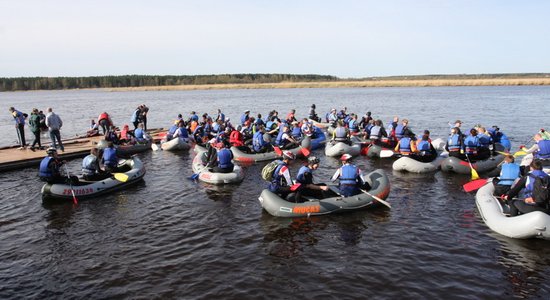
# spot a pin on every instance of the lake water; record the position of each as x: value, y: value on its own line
x: 170, y: 237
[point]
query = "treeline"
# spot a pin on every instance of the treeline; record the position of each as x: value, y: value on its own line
x: 59, y: 83
x: 457, y: 76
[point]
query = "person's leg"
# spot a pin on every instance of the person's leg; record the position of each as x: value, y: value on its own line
x: 52, y: 138
x: 58, y: 137
x: 144, y: 123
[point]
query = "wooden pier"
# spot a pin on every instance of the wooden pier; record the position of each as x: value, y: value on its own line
x: 11, y: 158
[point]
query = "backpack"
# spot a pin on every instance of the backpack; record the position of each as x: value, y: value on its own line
x: 269, y: 169
x: 541, y: 190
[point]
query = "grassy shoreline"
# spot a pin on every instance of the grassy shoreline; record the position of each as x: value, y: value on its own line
x: 347, y: 84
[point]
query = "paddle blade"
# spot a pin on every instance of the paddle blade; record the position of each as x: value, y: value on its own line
x: 278, y: 150
x: 75, y: 201
x: 474, y: 174
x: 195, y: 176
x: 386, y: 153
x: 155, y: 147
x: 121, y: 177
x: 295, y: 187
x: 520, y: 153
x: 306, y: 152
x: 474, y: 185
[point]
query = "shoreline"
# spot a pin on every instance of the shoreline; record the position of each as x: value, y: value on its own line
x: 344, y: 84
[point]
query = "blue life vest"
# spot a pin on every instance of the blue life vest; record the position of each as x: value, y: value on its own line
x: 278, y: 179
x: 508, y: 174
x: 269, y: 125
x: 198, y: 133
x: 279, y: 140
x: 171, y: 131
x: 405, y: 145
x: 399, y: 131
x: 375, y: 132
x: 471, y: 145
x: 216, y: 127
x: 484, y: 140
x: 258, y: 141
x: 454, y: 142
x: 347, y: 119
x: 353, y: 126
x: 244, y: 118
x: 301, y: 175
x: 296, y: 132
x: 224, y: 158
x: 423, y: 145
x: 221, y: 116
x: 89, y: 165
x: 530, y: 184
x: 544, y: 149
x: 505, y: 142
x: 194, y: 118
x: 44, y: 170
x: 348, y: 175
x: 340, y: 133
x: 184, y: 133
x: 109, y: 157
x: 138, y: 133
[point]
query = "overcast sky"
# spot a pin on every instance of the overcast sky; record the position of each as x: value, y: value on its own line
x: 341, y: 38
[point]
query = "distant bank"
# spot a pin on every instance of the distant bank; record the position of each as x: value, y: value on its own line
x: 262, y: 81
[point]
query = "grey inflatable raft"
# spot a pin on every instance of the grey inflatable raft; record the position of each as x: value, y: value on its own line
x: 244, y: 157
x: 176, y: 144
x: 339, y: 148
x: 407, y: 164
x: 87, y: 189
x: 453, y: 164
x: 214, y: 178
x: 531, y: 225
x: 279, y: 207
x: 128, y: 150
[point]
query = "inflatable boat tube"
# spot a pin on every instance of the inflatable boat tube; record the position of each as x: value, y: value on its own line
x: 127, y: 150
x: 407, y: 164
x: 337, y: 149
x: 88, y: 189
x: 456, y: 165
x: 240, y: 156
x: 176, y: 145
x: 531, y: 225
x: 320, y: 139
x: 215, y: 178
x: 279, y: 207
x: 321, y: 125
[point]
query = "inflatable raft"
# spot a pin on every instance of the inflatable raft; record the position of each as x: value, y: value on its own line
x: 321, y: 125
x: 135, y: 171
x: 176, y: 145
x: 319, y: 140
x: 454, y: 164
x: 339, y: 148
x: 531, y: 225
x: 279, y: 207
x: 407, y: 164
x: 240, y: 156
x: 127, y: 150
x: 207, y: 176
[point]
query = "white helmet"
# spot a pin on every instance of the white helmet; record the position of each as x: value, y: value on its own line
x: 289, y: 155
x: 345, y: 157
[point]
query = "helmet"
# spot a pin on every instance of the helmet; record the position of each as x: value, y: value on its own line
x: 312, y: 105
x: 289, y: 155
x: 312, y: 160
x: 345, y: 157
x: 51, y: 151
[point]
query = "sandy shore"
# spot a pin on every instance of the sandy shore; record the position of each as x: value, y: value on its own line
x: 348, y: 84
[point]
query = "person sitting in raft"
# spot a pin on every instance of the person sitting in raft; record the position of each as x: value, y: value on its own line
x: 425, y: 151
x: 540, y: 150
x: 499, y: 137
x: 406, y: 145
x: 454, y: 144
x: 282, y: 181
x: 90, y: 167
x: 340, y: 134
x: 284, y: 139
x: 180, y: 133
x: 313, y: 115
x: 259, y: 142
x: 236, y: 137
x: 109, y: 160
x: 527, y: 182
x: 365, y: 120
x: 296, y: 132
x: 104, y: 120
x: 305, y: 179
x: 223, y: 159
x: 392, y: 126
x: 126, y: 136
x: 112, y: 136
x: 245, y: 116
x: 93, y: 130
x: 509, y: 173
x: 50, y: 168
x: 332, y: 118
x: 350, y: 176
x: 291, y: 116
x: 402, y: 130
x: 353, y: 124
x: 377, y: 132
x: 457, y: 125
x: 485, y: 139
x: 472, y: 147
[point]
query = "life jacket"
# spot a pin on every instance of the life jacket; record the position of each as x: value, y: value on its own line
x: 340, y: 134
x: 530, y: 183
x: 544, y: 149
x: 111, y: 136
x: 216, y: 127
x: 471, y: 145
x: 375, y: 132
x: 45, y: 170
x: 399, y: 131
x: 484, y: 140
x: 244, y: 118
x: 454, y: 142
x: 124, y: 134
x: 301, y: 175
x: 508, y: 174
x: 89, y: 165
x: 296, y: 132
x: 236, y: 138
x: 103, y: 116
x: 348, y: 175
x: 278, y: 179
x: 353, y: 125
x: 194, y: 118
x: 405, y: 146
x: 221, y: 116
x: 109, y: 157
x: 19, y: 117
x: 138, y: 133
x: 224, y: 158
x: 135, y: 116
x: 279, y: 138
x: 258, y: 141
x: 423, y: 145
x: 172, y: 130
x: 193, y: 126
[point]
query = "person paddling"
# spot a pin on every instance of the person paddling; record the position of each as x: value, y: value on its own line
x: 350, y: 176
x: 305, y: 178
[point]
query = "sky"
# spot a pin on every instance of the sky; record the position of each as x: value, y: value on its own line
x: 348, y: 39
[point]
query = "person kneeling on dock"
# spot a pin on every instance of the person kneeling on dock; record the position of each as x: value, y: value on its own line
x: 305, y: 179
x: 351, y: 178
x: 110, y: 159
x: 90, y: 167
x: 50, y: 168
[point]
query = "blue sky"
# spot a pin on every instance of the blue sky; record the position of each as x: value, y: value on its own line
x: 341, y: 38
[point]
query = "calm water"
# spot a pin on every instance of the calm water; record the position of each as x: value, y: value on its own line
x: 170, y: 237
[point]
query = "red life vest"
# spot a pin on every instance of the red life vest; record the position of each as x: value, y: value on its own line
x: 236, y: 138
x: 103, y: 116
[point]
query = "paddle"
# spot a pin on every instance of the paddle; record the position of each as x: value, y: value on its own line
x: 474, y: 185
x: 474, y: 172
x: 385, y: 153
x: 520, y: 153
x: 295, y: 187
x: 386, y: 203
x: 121, y: 177
x: 75, y: 201
x: 278, y: 150
x: 155, y: 147
x: 305, y: 152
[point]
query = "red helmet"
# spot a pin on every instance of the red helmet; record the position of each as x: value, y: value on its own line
x: 289, y: 155
x: 345, y: 157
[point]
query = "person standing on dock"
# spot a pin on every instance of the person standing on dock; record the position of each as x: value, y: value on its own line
x: 104, y: 120
x: 19, y: 119
x: 34, y: 124
x: 144, y: 111
x: 54, y: 123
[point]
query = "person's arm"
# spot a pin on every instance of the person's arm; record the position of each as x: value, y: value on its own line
x: 413, y: 147
x: 533, y: 149
x: 514, y: 191
x: 336, y: 175
x: 286, y: 174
